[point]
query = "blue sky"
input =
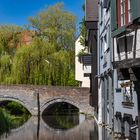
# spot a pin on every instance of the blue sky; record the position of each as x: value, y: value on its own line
x: 18, y: 11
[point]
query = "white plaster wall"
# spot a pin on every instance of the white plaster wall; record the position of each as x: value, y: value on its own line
x: 87, y: 69
x: 79, y: 69
x: 138, y: 45
x: 102, y: 61
x: 100, y: 101
x: 118, y: 99
x: 130, y: 53
x: 103, y: 30
x: 103, y: 57
x: 116, y: 58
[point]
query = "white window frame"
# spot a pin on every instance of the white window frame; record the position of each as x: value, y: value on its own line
x: 129, y: 11
x: 122, y: 12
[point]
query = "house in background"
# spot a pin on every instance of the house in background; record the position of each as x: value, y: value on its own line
x: 27, y: 36
x: 82, y: 70
x: 24, y: 37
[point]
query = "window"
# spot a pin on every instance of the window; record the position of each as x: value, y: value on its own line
x: 101, y: 12
x: 129, y: 11
x: 128, y: 89
x: 105, y: 43
x: 123, y: 12
x: 102, y: 49
x: 108, y: 37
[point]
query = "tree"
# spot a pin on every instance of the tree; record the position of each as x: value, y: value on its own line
x: 56, y: 25
x: 8, y: 44
x: 9, y: 38
x: 49, y: 58
x: 83, y: 32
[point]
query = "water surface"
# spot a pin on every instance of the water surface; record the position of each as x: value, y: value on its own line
x: 47, y: 129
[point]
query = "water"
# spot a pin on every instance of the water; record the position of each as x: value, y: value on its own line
x: 59, y: 127
x: 48, y: 128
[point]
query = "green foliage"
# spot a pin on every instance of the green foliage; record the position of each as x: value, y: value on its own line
x: 48, y: 59
x: 16, y: 109
x: 8, y: 121
x: 71, y: 80
x: 81, y: 53
x: 83, y: 32
x: 5, y: 122
x: 8, y: 33
x: 56, y: 25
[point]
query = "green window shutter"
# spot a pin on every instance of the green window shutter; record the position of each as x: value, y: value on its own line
x: 113, y: 15
x: 135, y: 6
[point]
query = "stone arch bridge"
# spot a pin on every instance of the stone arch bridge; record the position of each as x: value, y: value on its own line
x: 37, y: 98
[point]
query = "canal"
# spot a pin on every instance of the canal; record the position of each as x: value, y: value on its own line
x: 60, y: 121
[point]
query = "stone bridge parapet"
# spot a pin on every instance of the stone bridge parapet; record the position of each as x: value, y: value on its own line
x: 37, y: 98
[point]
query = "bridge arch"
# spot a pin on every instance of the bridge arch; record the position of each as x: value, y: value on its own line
x: 18, y: 101
x: 40, y: 97
x: 55, y: 100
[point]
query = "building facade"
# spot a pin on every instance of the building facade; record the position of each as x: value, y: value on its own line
x: 105, y: 70
x: 91, y: 23
x: 81, y: 70
x: 115, y: 63
x: 126, y: 63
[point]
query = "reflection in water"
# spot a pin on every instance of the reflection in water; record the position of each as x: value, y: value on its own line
x: 9, y: 123
x: 61, y: 116
x: 61, y: 122
x: 32, y: 131
x: 38, y: 129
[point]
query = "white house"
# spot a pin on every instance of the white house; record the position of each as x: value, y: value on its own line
x: 80, y: 69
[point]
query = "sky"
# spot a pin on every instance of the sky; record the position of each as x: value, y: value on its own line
x: 18, y: 11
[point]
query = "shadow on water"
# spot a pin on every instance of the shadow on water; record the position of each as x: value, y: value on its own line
x: 61, y: 116
x: 61, y: 122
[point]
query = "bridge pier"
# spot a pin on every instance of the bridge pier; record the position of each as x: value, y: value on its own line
x: 36, y: 109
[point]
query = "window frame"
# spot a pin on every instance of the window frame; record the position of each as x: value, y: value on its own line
x: 124, y: 12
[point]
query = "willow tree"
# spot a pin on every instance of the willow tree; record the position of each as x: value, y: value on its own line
x: 29, y: 65
x: 49, y: 59
x: 9, y: 38
x: 8, y: 43
x: 56, y: 25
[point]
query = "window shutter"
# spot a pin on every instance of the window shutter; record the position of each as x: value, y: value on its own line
x: 113, y: 15
x: 126, y: 12
x: 119, y: 13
